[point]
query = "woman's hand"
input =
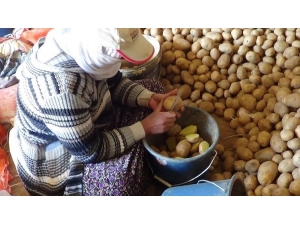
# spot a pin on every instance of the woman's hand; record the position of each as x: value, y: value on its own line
x: 157, y: 98
x: 159, y: 121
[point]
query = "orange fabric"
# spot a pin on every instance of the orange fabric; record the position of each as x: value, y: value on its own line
x: 34, y: 34
x: 3, y: 135
x: 4, y: 156
x: 5, y: 176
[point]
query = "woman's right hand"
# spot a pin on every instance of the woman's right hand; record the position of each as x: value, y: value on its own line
x: 159, y: 121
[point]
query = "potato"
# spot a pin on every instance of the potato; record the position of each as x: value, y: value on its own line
x: 215, y: 36
x: 167, y: 58
x: 228, y: 164
x: 265, y: 68
x: 287, y: 134
x: 219, y: 148
x: 226, y: 48
x: 240, y: 142
x: 268, y: 189
x: 267, y: 172
x: 284, y: 180
x: 184, y: 91
x: 250, y: 182
x: 277, y: 144
x: 253, y: 146
x: 191, y: 129
x: 252, y: 166
x: 166, y: 46
x: 216, y: 177
x: 287, y: 154
x: 179, y: 54
x: 192, y: 138
x: 296, y: 173
x: 183, y: 148
x: 293, y: 144
x: 264, y: 125
x: 253, y: 57
x: 207, y: 106
x: 210, y: 86
x: 248, y: 102
x: 265, y: 154
x: 263, y: 138
x: 290, y: 51
x: 187, y: 78
x: 286, y: 166
x: 267, y: 44
x: 244, y: 153
x: 280, y: 46
x: 164, y: 153
x: 296, y: 159
x: 173, y: 131
x: 258, y: 190
x: 277, y: 158
x: 291, y: 100
x: 203, y: 146
x: 195, y: 146
x: 239, y: 165
x: 292, y: 62
x: 196, y: 32
x: 249, y: 40
x: 227, y: 175
x: 157, y: 150
x: 191, y: 55
x: 171, y: 143
x: 182, y: 44
x: 294, y: 187
x: 182, y: 63
x: 224, y: 61
x: 281, y: 109
x: 234, y: 88
x: 215, y: 53
x: 169, y: 101
x: 207, y: 43
x: 281, y: 191
x: 236, y: 33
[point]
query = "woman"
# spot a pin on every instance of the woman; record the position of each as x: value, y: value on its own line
x: 79, y: 123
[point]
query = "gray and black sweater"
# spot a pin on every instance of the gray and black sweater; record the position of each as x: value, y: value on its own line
x: 60, y: 107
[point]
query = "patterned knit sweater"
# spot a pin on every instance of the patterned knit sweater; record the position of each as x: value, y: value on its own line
x: 61, y: 112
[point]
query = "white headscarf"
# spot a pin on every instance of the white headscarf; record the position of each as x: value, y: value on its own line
x: 84, y: 46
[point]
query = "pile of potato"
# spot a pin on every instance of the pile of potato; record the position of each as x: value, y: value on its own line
x: 251, y: 78
x: 182, y: 143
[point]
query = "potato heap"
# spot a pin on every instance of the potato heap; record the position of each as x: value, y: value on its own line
x: 251, y: 78
x: 182, y: 143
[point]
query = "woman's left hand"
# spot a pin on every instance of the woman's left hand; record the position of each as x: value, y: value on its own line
x: 157, y: 98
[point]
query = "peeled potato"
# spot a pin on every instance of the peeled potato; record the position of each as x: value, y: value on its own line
x: 192, y: 138
x: 203, y: 146
x: 191, y: 129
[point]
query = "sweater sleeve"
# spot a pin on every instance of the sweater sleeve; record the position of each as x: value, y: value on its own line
x: 130, y: 93
x: 73, y: 126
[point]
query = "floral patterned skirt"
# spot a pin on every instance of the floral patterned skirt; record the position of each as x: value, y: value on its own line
x: 129, y: 173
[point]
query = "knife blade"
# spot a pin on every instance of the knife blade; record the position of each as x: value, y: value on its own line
x: 174, y: 103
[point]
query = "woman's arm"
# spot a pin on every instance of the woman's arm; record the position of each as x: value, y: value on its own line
x: 68, y: 117
x: 130, y: 93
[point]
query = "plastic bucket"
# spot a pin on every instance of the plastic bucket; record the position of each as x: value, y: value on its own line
x: 5, y: 31
x: 151, y: 69
x: 230, y: 187
x: 174, y: 172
